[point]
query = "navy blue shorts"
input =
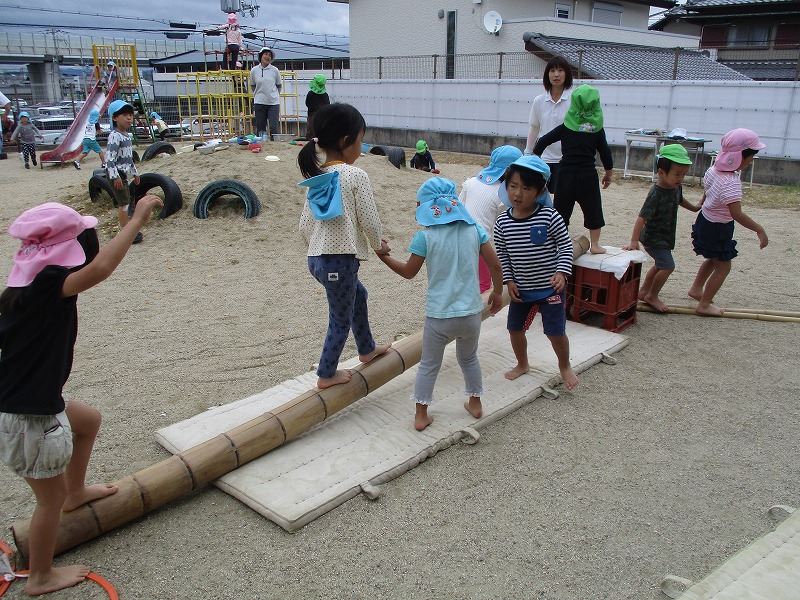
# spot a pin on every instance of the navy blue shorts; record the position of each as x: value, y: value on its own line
x: 662, y: 257
x: 713, y: 240
x: 554, y: 315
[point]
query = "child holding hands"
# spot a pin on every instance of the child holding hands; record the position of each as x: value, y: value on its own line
x: 658, y: 220
x: 340, y: 223
x: 43, y: 438
x: 712, y: 232
x: 535, y: 251
x: 450, y: 243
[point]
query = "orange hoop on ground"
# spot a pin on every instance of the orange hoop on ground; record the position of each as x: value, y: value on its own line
x: 98, y: 579
x: 7, y: 550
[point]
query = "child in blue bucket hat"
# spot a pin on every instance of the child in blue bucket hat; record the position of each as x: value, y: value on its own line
x: 535, y: 250
x: 450, y: 243
x: 479, y: 196
x: 90, y: 139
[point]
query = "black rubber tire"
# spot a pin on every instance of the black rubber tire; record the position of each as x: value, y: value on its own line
x: 173, y: 197
x: 226, y: 187
x: 136, y: 158
x: 101, y: 172
x: 99, y: 184
x: 157, y: 148
x: 395, y: 154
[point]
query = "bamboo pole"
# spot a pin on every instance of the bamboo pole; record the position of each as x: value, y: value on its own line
x: 170, y: 479
x: 753, y: 311
x: 730, y: 314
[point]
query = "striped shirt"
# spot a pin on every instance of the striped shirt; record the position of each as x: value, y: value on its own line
x: 722, y: 188
x: 119, y: 155
x: 358, y: 228
x: 533, y: 249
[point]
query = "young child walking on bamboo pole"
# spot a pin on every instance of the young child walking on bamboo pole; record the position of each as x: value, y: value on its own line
x: 712, y: 232
x: 450, y: 245
x: 43, y: 438
x: 535, y: 251
x: 340, y: 223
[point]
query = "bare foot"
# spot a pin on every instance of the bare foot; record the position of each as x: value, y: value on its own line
x: 517, y: 371
x: 421, y: 422
x: 695, y: 294
x: 341, y: 376
x: 708, y: 310
x: 87, y: 494
x: 597, y: 249
x: 570, y: 378
x: 642, y: 295
x: 656, y: 303
x: 379, y: 349
x: 474, y: 407
x: 57, y: 578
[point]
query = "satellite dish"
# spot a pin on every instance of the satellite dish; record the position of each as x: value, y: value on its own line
x: 492, y: 22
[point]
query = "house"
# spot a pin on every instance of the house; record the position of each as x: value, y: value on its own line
x: 759, y: 38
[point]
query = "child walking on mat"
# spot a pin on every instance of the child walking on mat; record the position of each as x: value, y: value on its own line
x: 658, y: 220
x: 535, y: 250
x: 340, y: 223
x: 712, y: 232
x: 450, y: 244
x: 43, y: 438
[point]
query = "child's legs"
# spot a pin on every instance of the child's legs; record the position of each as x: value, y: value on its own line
x: 435, y: 336
x: 520, y: 317
x: 719, y: 271
x: 50, y: 496
x: 335, y: 273
x: 467, y: 336
x: 28, y: 151
x: 658, y: 274
x: 85, y: 422
x: 703, y: 273
x: 484, y: 275
x: 362, y: 333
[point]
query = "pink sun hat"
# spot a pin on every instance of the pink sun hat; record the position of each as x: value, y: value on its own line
x: 233, y: 19
x: 48, y: 233
x: 733, y: 142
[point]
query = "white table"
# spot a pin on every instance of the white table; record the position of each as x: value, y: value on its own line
x: 695, y: 147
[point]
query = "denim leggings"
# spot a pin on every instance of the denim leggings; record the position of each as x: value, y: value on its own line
x: 347, y: 308
x: 436, y: 335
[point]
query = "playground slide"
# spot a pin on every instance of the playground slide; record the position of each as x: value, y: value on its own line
x: 70, y: 147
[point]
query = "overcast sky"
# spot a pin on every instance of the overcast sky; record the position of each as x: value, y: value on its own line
x: 315, y: 16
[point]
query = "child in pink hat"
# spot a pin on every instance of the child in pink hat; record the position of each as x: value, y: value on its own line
x: 233, y: 42
x: 43, y: 438
x: 712, y: 233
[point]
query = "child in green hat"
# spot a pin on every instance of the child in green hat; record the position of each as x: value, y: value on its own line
x: 581, y: 136
x: 316, y: 98
x: 658, y: 219
x: 423, y: 160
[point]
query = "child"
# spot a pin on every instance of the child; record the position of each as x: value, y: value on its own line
x: 712, y: 233
x: 233, y: 41
x: 658, y: 220
x: 536, y: 253
x: 27, y: 133
x: 581, y: 136
x: 90, y: 139
x: 119, y: 163
x: 317, y: 96
x: 479, y: 197
x: 423, y: 160
x: 161, y: 127
x: 450, y: 243
x: 110, y: 76
x: 43, y: 438
x: 340, y: 223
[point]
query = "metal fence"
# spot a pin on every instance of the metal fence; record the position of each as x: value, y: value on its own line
x: 502, y: 65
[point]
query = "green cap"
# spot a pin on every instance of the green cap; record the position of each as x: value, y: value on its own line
x: 676, y: 153
x: 584, y: 114
x: 317, y: 84
x: 422, y: 146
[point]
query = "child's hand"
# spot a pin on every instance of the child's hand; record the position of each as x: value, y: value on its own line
x: 634, y: 245
x: 384, y: 250
x: 607, y: 179
x: 495, y: 303
x: 513, y: 292
x: 118, y: 184
x: 763, y: 240
x: 145, y: 207
x: 559, y: 282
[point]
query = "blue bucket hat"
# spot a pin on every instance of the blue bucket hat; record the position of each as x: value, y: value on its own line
x: 324, y: 195
x: 533, y: 163
x: 94, y: 116
x: 111, y: 63
x: 437, y: 204
x: 155, y: 115
x: 498, y: 163
x: 24, y: 113
x: 115, y: 107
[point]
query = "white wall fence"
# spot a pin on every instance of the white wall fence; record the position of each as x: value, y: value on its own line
x: 705, y: 109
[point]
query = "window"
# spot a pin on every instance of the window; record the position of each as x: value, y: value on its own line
x: 714, y: 36
x: 749, y: 35
x: 607, y: 14
x: 562, y: 11
x: 787, y: 34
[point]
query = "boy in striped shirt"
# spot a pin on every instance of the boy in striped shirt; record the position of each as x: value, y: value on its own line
x: 535, y: 251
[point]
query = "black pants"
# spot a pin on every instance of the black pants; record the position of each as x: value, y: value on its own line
x: 267, y: 113
x: 231, y: 56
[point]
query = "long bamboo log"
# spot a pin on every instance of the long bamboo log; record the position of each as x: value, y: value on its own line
x: 753, y: 311
x: 729, y: 314
x: 170, y: 479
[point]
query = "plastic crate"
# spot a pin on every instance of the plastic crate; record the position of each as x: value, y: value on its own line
x: 592, y: 294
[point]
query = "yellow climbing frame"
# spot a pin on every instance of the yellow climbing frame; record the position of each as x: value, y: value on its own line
x: 124, y: 56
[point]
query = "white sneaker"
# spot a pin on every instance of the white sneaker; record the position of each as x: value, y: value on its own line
x: 77, y: 164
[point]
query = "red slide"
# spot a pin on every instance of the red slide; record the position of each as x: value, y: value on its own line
x: 72, y: 144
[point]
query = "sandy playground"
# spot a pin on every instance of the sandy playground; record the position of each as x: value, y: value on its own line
x: 664, y: 463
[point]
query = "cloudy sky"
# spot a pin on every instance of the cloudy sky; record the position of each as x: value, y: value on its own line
x: 314, y: 16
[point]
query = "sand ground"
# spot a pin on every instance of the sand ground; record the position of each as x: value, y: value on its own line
x: 663, y: 463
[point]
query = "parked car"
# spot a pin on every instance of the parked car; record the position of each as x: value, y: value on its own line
x: 53, y: 128
x: 49, y: 111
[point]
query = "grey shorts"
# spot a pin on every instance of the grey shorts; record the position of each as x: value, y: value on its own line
x: 662, y: 257
x: 121, y: 198
x: 35, y: 446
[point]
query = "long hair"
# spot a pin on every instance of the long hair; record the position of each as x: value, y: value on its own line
x: 336, y: 126
x: 555, y: 63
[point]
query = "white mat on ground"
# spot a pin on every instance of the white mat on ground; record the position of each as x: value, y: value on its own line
x: 373, y: 440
